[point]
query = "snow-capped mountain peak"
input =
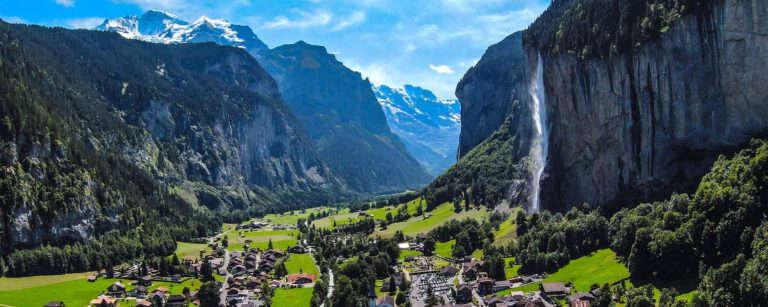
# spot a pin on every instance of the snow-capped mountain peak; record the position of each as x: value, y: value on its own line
x: 162, y: 27
x: 428, y: 126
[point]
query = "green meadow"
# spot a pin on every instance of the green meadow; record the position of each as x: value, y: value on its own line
x: 298, y: 263
x: 281, y: 239
x: 437, y: 217
x: 292, y: 297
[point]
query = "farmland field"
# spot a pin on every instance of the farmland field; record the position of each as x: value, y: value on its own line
x: 298, y: 263
x: 437, y: 217
x: 184, y: 249
x: 292, y: 297
x: 281, y: 239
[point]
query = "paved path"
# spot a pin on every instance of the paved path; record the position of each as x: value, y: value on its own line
x: 224, y: 285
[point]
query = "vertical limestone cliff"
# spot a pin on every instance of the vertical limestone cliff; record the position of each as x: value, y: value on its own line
x: 640, y: 124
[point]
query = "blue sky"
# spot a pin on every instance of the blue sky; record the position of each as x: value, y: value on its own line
x: 430, y: 43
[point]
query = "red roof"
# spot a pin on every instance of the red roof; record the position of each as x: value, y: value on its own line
x: 295, y: 277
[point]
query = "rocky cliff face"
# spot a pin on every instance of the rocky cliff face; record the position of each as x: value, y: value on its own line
x: 488, y: 90
x: 343, y: 116
x: 96, y: 132
x: 638, y: 125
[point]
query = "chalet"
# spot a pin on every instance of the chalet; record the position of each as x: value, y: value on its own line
x: 103, y: 302
x: 93, y: 278
x: 300, y: 279
x: 501, y: 285
x: 516, y: 295
x: 145, y: 281
x: 469, y: 273
x: 464, y: 294
x: 448, y: 271
x: 581, y: 299
x: 485, y: 285
x: 421, y: 237
x: 116, y: 289
x: 297, y: 249
x: 496, y: 301
x: 162, y: 290
x: 139, y: 291
x: 553, y: 289
x: 386, y: 301
x: 143, y: 303
x: 55, y: 304
x: 176, y: 300
x: 516, y: 280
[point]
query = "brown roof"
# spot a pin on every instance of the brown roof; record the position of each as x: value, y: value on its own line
x: 294, y: 277
x: 553, y: 287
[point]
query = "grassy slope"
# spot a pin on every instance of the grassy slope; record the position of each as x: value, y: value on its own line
x: 408, y: 253
x: 598, y: 268
x: 298, y: 263
x: 281, y: 239
x: 438, y: 216
x: 292, y: 297
x: 184, y: 249
x: 17, y: 283
x: 345, y: 217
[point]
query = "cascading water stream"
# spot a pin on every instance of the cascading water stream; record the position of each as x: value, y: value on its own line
x: 540, y: 144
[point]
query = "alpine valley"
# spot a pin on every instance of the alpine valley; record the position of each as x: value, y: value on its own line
x: 609, y: 153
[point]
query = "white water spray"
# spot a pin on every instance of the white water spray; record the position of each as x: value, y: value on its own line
x: 540, y: 144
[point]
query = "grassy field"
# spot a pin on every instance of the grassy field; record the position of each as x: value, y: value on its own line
x: 437, y: 217
x: 344, y: 217
x: 598, y: 268
x: 408, y: 253
x: 292, y: 297
x: 291, y: 217
x: 77, y: 292
x: 17, y: 283
x: 507, y: 231
x: 281, y: 239
x: 444, y: 248
x: 298, y: 263
x: 39, y: 290
x: 510, y: 271
x: 184, y: 249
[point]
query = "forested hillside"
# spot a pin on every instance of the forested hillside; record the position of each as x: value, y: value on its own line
x: 113, y: 148
x: 716, y: 235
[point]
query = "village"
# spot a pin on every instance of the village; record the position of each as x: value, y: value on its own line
x: 464, y: 282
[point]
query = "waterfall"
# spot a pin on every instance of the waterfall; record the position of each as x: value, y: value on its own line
x: 540, y: 143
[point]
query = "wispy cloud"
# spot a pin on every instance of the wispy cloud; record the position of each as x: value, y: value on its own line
x: 66, y: 3
x: 84, y: 23
x: 303, y: 19
x: 441, y: 69
x: 353, y: 19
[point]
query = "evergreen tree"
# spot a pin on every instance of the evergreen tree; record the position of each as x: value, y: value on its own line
x: 209, y: 294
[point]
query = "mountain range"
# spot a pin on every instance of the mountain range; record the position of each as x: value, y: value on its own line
x: 335, y: 104
x: 428, y: 126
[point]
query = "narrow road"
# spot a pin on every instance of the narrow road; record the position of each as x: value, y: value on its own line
x: 224, y: 285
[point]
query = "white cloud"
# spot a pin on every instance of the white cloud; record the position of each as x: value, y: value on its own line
x: 84, y: 23
x: 441, y: 69
x: 353, y: 19
x: 66, y: 3
x: 303, y: 20
x: 13, y: 19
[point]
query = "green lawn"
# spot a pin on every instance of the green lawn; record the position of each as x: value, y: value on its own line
x: 73, y: 293
x: 408, y: 253
x: 444, y: 248
x: 17, y: 283
x: 298, y: 263
x: 281, y: 239
x: 507, y: 231
x: 437, y: 217
x: 291, y: 217
x: 510, y: 271
x: 184, y: 249
x: 344, y: 217
x: 292, y: 297
x: 598, y: 268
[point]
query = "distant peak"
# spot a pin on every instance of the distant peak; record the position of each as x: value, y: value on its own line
x: 159, y: 12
